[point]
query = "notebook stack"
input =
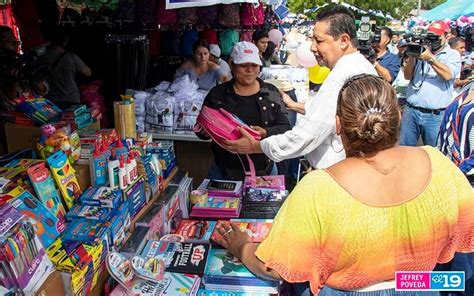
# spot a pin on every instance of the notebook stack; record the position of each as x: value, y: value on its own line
x: 226, y: 273
x: 264, y: 197
x: 218, y: 207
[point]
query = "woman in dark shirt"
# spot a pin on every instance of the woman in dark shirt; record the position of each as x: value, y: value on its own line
x: 256, y: 103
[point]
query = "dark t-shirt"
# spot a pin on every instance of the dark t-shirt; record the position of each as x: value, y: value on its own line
x: 62, y: 81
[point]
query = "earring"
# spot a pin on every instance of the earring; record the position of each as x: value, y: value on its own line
x: 332, y: 141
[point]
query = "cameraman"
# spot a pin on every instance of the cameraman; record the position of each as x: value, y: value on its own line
x: 386, y: 64
x: 431, y: 76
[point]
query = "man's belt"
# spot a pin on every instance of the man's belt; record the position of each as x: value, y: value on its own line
x: 424, y: 110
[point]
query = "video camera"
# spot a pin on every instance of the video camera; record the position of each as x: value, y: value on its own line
x: 417, y: 43
x: 367, y: 35
x: 25, y: 68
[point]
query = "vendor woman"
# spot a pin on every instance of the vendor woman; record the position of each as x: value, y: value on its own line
x: 199, y: 69
x: 256, y: 103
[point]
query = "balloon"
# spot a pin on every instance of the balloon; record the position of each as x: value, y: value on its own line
x: 318, y: 74
x: 275, y: 36
x: 463, y: 19
x: 470, y: 19
x: 305, y: 56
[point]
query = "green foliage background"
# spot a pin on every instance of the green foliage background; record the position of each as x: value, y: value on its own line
x: 397, y: 8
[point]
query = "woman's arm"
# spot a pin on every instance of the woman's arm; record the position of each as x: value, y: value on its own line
x: 241, y: 246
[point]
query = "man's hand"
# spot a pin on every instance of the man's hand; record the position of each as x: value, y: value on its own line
x: 245, y: 145
x: 261, y: 131
x: 427, y: 55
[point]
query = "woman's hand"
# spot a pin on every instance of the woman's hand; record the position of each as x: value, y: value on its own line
x: 261, y: 131
x: 233, y: 239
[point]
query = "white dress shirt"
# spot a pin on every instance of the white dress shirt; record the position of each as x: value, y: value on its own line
x: 314, y: 134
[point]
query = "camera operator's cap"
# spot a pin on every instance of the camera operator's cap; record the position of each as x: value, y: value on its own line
x: 245, y: 52
x: 215, y: 50
x: 439, y: 28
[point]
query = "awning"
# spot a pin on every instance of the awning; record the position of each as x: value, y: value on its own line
x: 450, y: 10
x: 172, y: 4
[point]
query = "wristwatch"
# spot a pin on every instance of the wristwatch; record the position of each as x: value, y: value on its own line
x: 432, y: 60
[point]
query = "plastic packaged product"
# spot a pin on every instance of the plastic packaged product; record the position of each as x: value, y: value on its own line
x: 113, y: 170
x: 98, y: 167
x: 122, y: 175
x: 134, y: 165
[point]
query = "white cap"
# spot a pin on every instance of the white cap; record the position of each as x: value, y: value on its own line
x: 215, y: 50
x: 245, y: 52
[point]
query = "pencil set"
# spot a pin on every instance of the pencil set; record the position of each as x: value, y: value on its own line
x: 23, y: 263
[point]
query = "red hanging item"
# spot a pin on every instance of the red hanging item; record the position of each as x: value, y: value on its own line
x: 7, y: 18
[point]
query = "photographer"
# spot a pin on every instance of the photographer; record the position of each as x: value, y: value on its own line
x: 431, y: 74
x: 459, y: 44
x: 386, y: 64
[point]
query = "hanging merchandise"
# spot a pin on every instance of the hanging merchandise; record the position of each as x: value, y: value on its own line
x: 128, y: 64
x: 252, y: 14
x: 246, y: 35
x: 208, y: 15
x: 187, y: 41
x: 188, y: 16
x: 124, y: 114
x: 171, y: 46
x: 145, y: 11
x: 229, y: 15
x: 165, y: 16
x: 227, y: 40
x: 210, y: 35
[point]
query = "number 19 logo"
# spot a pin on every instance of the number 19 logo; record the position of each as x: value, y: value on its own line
x: 447, y: 280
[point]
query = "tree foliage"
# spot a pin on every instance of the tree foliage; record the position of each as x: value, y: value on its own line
x: 396, y: 8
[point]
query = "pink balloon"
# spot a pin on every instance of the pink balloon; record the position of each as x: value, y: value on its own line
x: 275, y: 36
x: 463, y: 19
x: 305, y: 56
x: 471, y: 19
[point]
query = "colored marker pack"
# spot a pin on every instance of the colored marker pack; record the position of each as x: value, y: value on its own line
x: 43, y: 184
x: 63, y: 173
x: 104, y: 197
x: 87, y: 231
x: 88, y: 212
x: 47, y: 226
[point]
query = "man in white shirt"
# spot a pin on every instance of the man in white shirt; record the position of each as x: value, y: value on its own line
x: 215, y: 57
x: 314, y: 135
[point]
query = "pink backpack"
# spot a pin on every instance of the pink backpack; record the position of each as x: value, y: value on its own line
x: 222, y: 125
x: 252, y: 15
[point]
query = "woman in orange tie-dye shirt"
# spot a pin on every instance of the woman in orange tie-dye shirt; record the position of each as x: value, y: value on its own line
x: 347, y: 229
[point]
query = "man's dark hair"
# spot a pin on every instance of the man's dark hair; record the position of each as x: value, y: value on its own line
x: 59, y: 37
x: 259, y: 34
x: 388, y: 31
x: 341, y: 20
x: 454, y: 41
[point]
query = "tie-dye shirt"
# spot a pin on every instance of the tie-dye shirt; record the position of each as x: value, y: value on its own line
x: 327, y: 237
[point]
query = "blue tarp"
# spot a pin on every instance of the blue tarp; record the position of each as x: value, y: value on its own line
x: 452, y: 9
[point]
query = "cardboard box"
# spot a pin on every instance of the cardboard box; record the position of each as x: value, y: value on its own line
x: 21, y: 137
x: 83, y: 176
x: 52, y: 286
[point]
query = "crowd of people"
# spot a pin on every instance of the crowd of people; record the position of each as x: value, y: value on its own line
x: 410, y: 208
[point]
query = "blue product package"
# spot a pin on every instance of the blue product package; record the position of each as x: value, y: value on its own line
x: 117, y: 232
x: 88, y: 212
x: 47, y: 226
x: 105, y: 197
x: 86, y: 231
